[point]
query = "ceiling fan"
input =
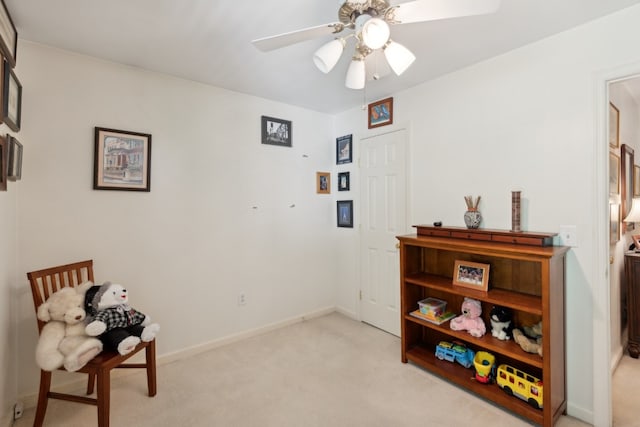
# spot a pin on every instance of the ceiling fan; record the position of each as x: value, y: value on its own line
x: 370, y: 21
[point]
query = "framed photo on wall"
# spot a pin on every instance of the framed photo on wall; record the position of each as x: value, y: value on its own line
x: 122, y: 160
x: 14, y: 159
x: 614, y: 174
x: 343, y: 181
x: 626, y: 185
x: 276, y: 131
x: 380, y: 113
x: 636, y: 181
x: 345, y: 213
x: 3, y: 163
x: 323, y: 182
x: 344, y: 149
x: 614, y: 126
x: 8, y: 35
x: 614, y: 223
x: 11, y: 98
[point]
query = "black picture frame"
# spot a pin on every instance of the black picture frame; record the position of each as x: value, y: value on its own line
x: 3, y: 163
x: 276, y: 131
x: 345, y: 213
x: 122, y: 160
x: 8, y: 35
x: 14, y: 162
x: 11, y: 98
x: 344, y: 181
x: 344, y: 149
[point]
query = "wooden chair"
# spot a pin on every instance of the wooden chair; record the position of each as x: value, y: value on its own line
x: 43, y: 284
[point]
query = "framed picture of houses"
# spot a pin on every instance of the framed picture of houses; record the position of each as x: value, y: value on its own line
x: 122, y: 160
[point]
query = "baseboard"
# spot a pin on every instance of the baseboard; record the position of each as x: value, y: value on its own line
x: 31, y: 400
x: 201, y: 348
x: 349, y: 313
x: 580, y: 413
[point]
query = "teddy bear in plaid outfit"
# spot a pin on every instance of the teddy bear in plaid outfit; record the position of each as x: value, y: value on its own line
x: 119, y: 326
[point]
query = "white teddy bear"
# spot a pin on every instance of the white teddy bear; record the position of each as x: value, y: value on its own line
x: 63, y: 341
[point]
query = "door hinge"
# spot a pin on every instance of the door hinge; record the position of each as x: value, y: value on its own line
x: 360, y: 294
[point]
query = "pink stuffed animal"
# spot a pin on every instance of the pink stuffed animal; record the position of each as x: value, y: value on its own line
x: 470, y: 319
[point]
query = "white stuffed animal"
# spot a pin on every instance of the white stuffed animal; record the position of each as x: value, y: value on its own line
x: 63, y: 341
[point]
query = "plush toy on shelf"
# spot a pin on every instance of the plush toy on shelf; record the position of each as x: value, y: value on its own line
x: 63, y: 341
x: 119, y: 327
x: 531, y: 340
x: 501, y: 325
x: 470, y: 319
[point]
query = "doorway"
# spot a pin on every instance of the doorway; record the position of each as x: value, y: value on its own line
x: 383, y: 193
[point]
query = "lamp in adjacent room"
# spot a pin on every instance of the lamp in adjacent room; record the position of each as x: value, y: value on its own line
x: 634, y: 214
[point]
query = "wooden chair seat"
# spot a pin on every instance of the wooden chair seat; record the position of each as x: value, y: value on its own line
x: 44, y: 283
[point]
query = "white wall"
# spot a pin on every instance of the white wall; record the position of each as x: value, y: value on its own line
x: 630, y: 135
x: 8, y: 285
x: 225, y: 214
x: 524, y: 120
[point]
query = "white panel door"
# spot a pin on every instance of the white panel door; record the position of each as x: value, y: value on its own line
x: 383, y: 216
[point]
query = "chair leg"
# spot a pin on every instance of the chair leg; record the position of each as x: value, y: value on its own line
x: 91, y: 380
x: 103, y: 397
x: 150, y: 354
x: 43, y: 396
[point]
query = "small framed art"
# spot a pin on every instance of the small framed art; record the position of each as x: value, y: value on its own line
x: 343, y: 181
x: 614, y: 223
x: 472, y: 275
x: 323, y: 182
x: 276, y: 131
x: 614, y: 174
x: 3, y: 163
x: 11, y: 98
x: 381, y: 113
x: 345, y: 213
x: 14, y: 159
x: 636, y: 181
x: 8, y: 35
x: 122, y: 160
x: 343, y: 149
x: 614, y: 126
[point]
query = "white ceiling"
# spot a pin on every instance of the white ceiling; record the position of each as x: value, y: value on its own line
x: 210, y: 41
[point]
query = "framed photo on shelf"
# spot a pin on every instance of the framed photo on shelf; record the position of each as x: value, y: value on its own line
x: 8, y: 35
x: 323, y: 182
x: 380, y: 113
x: 276, y: 131
x: 343, y: 181
x: 14, y: 159
x: 345, y: 213
x: 122, y: 160
x: 344, y: 149
x: 3, y: 163
x: 614, y: 126
x: 11, y: 98
x: 614, y: 223
x: 614, y: 174
x: 472, y: 275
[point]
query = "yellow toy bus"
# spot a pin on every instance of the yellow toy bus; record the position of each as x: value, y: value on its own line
x: 520, y: 384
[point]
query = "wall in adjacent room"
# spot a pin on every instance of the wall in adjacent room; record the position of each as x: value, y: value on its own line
x: 525, y: 120
x: 225, y: 215
x: 629, y: 114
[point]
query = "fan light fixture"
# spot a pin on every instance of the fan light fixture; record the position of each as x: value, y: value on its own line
x: 370, y: 21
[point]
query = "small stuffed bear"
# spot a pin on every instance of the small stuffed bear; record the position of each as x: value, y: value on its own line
x: 63, y: 341
x: 501, y: 326
x: 532, y: 344
x: 119, y: 327
x: 470, y: 319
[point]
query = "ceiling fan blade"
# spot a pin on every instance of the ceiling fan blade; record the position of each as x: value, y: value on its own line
x: 266, y: 44
x: 431, y: 10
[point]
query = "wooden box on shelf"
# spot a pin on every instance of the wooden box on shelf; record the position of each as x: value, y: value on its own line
x: 529, y: 279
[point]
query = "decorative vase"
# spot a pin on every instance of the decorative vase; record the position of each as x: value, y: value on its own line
x: 472, y: 218
x: 515, y: 211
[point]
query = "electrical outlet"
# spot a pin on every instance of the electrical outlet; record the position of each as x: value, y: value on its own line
x: 569, y: 235
x: 18, y: 408
x: 242, y: 298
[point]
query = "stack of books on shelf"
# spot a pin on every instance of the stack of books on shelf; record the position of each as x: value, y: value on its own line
x: 433, y: 310
x: 433, y: 319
